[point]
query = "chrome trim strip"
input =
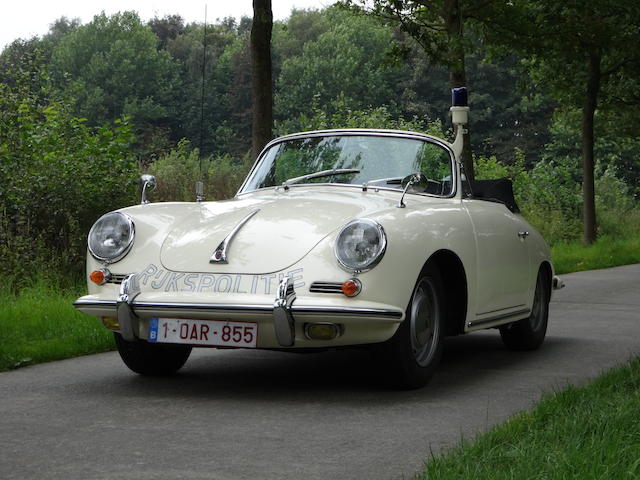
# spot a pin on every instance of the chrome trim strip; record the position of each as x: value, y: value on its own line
x: 220, y: 253
x: 326, y: 287
x: 295, y: 309
x: 351, y: 312
x: 148, y: 306
x: 94, y: 303
x: 475, y: 323
x: 499, y: 310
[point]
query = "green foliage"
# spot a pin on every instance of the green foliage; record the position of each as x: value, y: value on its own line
x: 550, y: 196
x: 349, y: 63
x: 56, y: 176
x: 343, y: 116
x: 112, y: 67
x: 178, y: 171
x: 225, y: 107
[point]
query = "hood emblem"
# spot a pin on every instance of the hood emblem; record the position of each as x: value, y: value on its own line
x: 220, y: 253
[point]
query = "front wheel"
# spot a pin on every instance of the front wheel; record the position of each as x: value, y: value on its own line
x: 528, y: 334
x: 152, y: 359
x: 413, y: 353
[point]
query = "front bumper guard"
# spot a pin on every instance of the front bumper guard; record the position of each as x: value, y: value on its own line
x: 283, y: 311
x: 282, y: 318
x: 129, y: 290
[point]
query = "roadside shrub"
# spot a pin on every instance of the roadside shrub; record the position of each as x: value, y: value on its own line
x: 56, y: 177
x: 550, y: 197
x: 178, y: 171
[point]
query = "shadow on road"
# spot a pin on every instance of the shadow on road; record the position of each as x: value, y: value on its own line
x: 346, y: 376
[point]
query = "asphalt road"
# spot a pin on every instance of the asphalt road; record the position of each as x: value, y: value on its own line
x: 269, y: 415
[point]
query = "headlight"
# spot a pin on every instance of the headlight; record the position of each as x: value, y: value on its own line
x: 111, y: 237
x: 360, y: 245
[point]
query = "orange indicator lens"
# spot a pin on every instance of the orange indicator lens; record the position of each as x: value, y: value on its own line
x: 99, y: 277
x: 351, y: 287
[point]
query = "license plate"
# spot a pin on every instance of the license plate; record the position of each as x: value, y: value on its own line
x: 203, y: 332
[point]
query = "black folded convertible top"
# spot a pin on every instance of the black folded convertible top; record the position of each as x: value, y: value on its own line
x: 500, y: 190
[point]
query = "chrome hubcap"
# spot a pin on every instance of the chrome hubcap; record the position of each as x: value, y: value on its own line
x: 425, y: 325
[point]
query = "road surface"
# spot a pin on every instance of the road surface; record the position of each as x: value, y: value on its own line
x: 270, y: 415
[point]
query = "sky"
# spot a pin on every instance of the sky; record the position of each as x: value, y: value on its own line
x: 26, y: 18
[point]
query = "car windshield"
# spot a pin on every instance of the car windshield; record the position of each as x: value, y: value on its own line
x: 380, y: 161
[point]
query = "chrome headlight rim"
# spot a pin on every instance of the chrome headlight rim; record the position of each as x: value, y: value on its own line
x: 374, y: 260
x: 132, y: 233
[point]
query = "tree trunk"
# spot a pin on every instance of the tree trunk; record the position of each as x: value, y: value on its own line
x: 457, y: 72
x: 588, y: 163
x: 261, y: 81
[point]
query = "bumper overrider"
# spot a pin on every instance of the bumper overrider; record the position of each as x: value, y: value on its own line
x: 283, y: 322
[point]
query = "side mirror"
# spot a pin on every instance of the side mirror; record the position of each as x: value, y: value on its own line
x: 414, y: 183
x: 147, y: 181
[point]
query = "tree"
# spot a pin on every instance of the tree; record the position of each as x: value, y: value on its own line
x: 578, y: 51
x: 261, y: 76
x: 112, y: 67
x: 226, y: 77
x: 348, y: 65
x: 438, y: 26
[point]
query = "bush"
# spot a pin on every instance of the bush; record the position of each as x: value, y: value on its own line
x: 56, y: 177
x: 550, y: 197
x: 178, y: 171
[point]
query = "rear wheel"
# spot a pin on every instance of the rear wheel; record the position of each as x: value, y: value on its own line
x: 413, y: 353
x: 528, y: 334
x: 152, y: 359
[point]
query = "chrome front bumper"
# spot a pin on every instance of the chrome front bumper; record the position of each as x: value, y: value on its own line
x: 283, y: 314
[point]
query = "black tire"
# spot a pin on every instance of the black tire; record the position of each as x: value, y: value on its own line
x: 528, y: 334
x: 411, y: 356
x: 152, y: 359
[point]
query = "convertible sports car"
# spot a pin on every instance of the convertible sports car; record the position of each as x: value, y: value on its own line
x: 336, y: 238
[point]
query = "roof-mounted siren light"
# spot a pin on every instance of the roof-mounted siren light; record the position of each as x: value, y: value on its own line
x: 459, y: 106
x: 460, y: 118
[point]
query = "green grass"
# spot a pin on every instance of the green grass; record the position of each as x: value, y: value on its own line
x: 607, y: 251
x: 592, y: 432
x: 40, y: 324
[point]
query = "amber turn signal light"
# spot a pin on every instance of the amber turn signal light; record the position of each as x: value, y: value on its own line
x: 351, y: 287
x: 100, y: 276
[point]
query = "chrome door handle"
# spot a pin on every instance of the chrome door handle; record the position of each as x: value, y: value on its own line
x: 523, y: 235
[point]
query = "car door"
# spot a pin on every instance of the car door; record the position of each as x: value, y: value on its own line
x: 502, y: 260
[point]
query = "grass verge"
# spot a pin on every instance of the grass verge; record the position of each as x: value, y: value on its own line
x: 607, y: 251
x: 40, y: 324
x: 589, y: 432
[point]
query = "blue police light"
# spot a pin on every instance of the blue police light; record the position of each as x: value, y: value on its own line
x: 459, y: 97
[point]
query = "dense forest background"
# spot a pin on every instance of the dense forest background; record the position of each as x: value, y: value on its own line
x: 86, y: 108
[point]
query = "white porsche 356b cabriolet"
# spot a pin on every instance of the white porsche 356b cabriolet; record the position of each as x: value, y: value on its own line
x: 336, y: 238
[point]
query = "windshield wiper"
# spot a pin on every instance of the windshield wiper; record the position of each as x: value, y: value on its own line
x: 323, y: 173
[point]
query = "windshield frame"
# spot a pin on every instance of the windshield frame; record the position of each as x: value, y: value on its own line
x: 356, y: 132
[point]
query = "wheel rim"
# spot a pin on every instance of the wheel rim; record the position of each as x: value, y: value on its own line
x: 425, y: 324
x: 536, y: 317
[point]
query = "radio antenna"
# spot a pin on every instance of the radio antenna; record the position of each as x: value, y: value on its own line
x: 200, y: 183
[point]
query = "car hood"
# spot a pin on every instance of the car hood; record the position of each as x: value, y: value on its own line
x: 287, y: 225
